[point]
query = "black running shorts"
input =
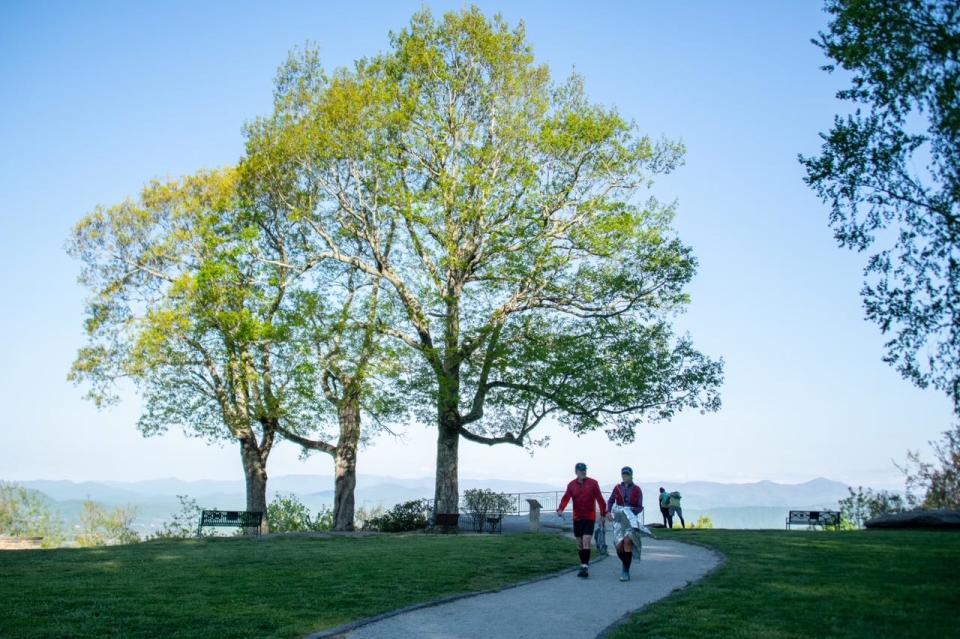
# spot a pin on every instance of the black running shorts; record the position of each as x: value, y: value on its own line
x: 582, y: 527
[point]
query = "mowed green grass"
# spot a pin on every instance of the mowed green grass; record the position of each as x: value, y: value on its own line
x: 242, y: 587
x: 773, y: 584
x: 814, y: 584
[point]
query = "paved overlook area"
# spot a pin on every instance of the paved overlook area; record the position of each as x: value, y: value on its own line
x: 558, y: 607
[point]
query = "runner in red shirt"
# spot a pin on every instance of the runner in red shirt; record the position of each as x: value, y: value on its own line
x: 584, y: 492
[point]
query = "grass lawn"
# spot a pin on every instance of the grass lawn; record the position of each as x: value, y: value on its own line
x: 241, y: 587
x: 814, y: 584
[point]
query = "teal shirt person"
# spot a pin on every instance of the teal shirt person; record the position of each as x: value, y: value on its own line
x: 664, y: 500
x: 673, y: 508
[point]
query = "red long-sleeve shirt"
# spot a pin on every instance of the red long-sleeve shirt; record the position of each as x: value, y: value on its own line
x: 584, y: 495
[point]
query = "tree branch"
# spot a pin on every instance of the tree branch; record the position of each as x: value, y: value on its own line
x: 312, y: 444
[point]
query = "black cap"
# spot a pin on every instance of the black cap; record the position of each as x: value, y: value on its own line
x: 580, y: 466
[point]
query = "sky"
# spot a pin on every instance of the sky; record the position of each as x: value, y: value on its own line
x: 98, y: 98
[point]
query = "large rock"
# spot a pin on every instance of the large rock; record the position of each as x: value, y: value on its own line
x: 942, y: 519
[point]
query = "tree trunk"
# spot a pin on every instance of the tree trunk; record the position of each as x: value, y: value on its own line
x: 446, y: 504
x: 255, y: 473
x: 447, y: 495
x: 345, y: 464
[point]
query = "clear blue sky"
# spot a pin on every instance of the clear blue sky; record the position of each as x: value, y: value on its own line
x: 98, y: 98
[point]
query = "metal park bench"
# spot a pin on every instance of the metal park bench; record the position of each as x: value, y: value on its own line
x: 231, y: 518
x: 813, y: 518
x: 495, y: 522
x: 478, y: 521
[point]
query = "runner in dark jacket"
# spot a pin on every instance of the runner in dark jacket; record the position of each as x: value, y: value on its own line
x: 584, y: 492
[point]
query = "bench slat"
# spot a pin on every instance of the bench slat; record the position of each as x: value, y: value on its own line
x: 232, y: 518
x: 813, y: 518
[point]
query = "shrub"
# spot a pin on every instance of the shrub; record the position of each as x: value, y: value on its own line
x: 286, y: 513
x: 860, y: 506
x: 27, y: 513
x: 483, y: 503
x: 102, y: 527
x: 363, y: 516
x: 410, y: 515
x: 930, y: 486
x: 183, y: 523
x: 703, y: 521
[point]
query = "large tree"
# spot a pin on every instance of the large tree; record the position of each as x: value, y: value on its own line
x: 338, y: 308
x: 890, y: 172
x: 188, y: 303
x: 501, y: 213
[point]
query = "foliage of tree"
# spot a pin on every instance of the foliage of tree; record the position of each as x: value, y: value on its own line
x: 935, y: 485
x: 483, y: 503
x: 861, y: 506
x: 100, y: 526
x: 890, y: 172
x: 28, y: 513
x: 405, y: 517
x: 188, y: 304
x: 339, y: 307
x: 500, y: 214
x: 288, y: 514
x: 704, y: 521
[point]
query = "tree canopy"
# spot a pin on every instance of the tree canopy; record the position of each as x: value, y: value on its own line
x: 188, y: 304
x: 442, y: 222
x: 500, y: 212
x: 890, y: 171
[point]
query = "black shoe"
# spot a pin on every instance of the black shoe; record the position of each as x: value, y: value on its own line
x: 583, y: 573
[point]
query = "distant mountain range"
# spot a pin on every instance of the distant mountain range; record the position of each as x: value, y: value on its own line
x: 371, y: 489
x: 751, y: 505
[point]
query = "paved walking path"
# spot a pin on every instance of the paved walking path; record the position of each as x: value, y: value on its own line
x: 558, y: 607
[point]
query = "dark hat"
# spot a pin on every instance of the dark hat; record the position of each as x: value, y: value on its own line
x: 580, y: 466
x: 626, y: 470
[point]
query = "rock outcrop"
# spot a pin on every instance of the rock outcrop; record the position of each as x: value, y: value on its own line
x: 939, y: 519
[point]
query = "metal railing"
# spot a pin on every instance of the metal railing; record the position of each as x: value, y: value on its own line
x: 549, y: 501
x: 518, y: 501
